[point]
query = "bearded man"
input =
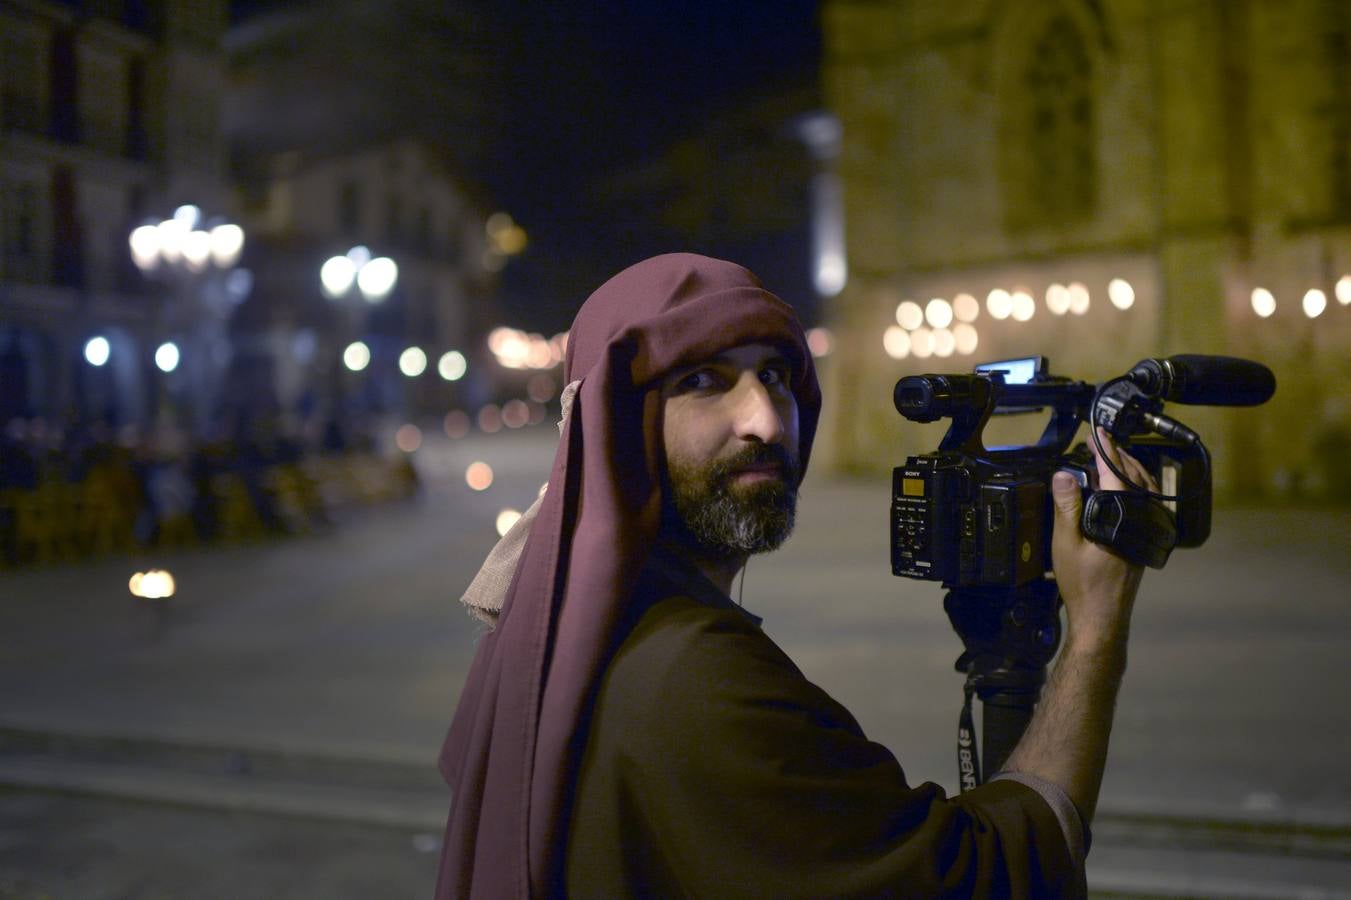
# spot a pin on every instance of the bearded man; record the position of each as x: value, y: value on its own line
x: 626, y: 730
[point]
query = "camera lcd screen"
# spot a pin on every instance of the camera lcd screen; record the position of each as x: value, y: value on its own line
x: 912, y: 487
x: 1016, y: 371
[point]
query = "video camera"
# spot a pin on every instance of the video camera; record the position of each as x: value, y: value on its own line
x: 979, y: 519
x: 972, y: 516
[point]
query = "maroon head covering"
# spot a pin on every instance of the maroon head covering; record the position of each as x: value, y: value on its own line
x: 512, y: 752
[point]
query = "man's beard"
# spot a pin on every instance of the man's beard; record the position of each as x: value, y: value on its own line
x: 719, y: 519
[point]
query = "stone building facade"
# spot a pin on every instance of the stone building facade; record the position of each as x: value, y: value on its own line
x: 402, y: 200
x: 109, y: 114
x: 1197, y: 152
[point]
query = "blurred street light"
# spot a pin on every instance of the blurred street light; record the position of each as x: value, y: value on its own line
x: 1343, y: 290
x: 357, y: 356
x: 505, y: 240
x: 197, y: 256
x: 1315, y: 301
x: 97, y: 351
x: 374, y: 278
x: 1120, y: 292
x: 1263, y: 302
x: 413, y: 362
x: 452, y: 365
x: 166, y: 357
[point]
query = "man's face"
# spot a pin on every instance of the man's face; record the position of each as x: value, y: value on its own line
x: 730, y: 427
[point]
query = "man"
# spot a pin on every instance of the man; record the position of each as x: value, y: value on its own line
x: 626, y: 730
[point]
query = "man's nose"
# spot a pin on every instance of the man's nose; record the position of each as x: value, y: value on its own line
x: 757, y: 418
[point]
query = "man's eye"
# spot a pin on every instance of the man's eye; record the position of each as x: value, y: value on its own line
x: 702, y: 380
x: 774, y: 375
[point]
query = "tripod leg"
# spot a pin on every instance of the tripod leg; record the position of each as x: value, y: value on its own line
x: 1005, y: 718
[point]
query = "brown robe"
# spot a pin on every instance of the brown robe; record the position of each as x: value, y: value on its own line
x: 714, y: 768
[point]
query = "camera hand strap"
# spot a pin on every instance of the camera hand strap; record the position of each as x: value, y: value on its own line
x: 968, y: 756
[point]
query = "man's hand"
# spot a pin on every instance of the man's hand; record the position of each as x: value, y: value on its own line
x: 1098, y: 586
x: 1066, y: 741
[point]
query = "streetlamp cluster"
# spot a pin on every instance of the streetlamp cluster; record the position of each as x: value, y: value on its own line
x: 373, y: 277
x: 185, y: 242
x: 182, y: 246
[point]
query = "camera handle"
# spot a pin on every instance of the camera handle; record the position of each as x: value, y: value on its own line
x: 1010, y: 635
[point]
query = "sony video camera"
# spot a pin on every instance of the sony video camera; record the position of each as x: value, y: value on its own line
x: 973, y: 516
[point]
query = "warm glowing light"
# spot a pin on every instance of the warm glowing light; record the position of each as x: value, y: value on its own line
x: 479, y: 476
x: 337, y: 275
x: 166, y: 356
x: 1022, y: 306
x: 156, y: 584
x: 922, y: 342
x: 413, y: 362
x: 505, y: 519
x: 145, y: 246
x: 966, y: 338
x: 1343, y: 290
x: 227, y: 243
x: 197, y: 250
x: 938, y: 313
x: 1120, y: 292
x: 818, y: 341
x: 1315, y: 301
x: 377, y: 278
x: 965, y: 308
x: 537, y: 355
x: 515, y: 349
x: 944, y: 342
x: 357, y: 356
x: 540, y: 388
x: 1079, y: 299
x: 490, y: 419
x: 97, y: 350
x: 452, y: 365
x: 515, y: 413
x: 558, y: 346
x: 909, y: 316
x: 170, y: 235
x: 408, y: 438
x: 896, y: 341
x: 999, y: 303
x: 1263, y: 302
x: 497, y: 223
x: 455, y: 424
x: 1058, y: 299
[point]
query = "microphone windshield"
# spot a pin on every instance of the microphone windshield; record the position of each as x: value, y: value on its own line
x: 1219, y: 381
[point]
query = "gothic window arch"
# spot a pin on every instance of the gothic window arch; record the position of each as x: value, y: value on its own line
x: 1052, y: 139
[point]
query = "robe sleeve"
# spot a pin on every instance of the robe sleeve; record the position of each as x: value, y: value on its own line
x: 737, y: 777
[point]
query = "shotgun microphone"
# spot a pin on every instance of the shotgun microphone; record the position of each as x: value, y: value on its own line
x: 1205, y: 380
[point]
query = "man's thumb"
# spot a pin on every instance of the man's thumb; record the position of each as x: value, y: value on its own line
x: 1065, y: 490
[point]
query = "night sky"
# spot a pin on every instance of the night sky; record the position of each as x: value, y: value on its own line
x: 589, y: 86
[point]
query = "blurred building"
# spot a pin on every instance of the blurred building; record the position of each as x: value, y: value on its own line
x: 358, y: 124
x: 402, y: 201
x: 1103, y: 181
x: 109, y: 114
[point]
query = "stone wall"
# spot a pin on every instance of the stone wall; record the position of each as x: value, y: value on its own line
x: 1194, y: 149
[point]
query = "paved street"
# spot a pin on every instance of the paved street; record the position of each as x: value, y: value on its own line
x: 310, y: 681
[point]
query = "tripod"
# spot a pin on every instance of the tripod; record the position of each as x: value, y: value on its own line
x: 1010, y: 634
